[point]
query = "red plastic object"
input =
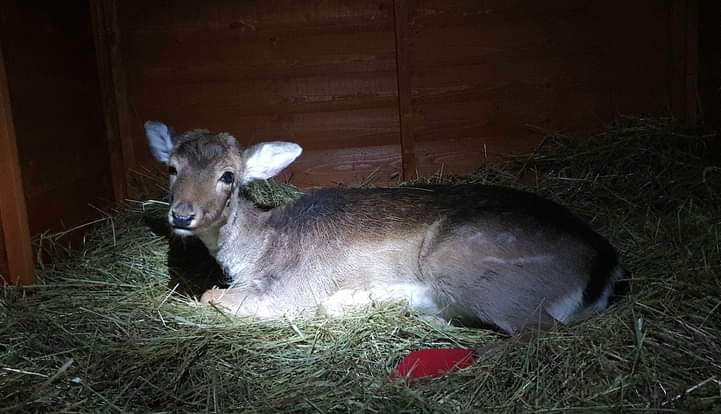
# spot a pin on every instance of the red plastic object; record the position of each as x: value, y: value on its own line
x: 433, y: 362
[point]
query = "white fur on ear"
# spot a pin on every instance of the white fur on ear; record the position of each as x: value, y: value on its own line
x: 267, y: 159
x: 159, y: 140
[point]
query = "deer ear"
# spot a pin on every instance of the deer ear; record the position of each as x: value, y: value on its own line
x: 160, y: 140
x: 267, y: 159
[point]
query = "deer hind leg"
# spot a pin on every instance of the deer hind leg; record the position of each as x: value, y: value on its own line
x: 511, y: 286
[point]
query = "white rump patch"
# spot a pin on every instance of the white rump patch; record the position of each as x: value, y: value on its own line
x: 570, y: 308
x: 565, y: 309
x: 602, y: 302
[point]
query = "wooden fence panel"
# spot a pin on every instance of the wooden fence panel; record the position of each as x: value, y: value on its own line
x: 57, y: 112
x: 449, y: 83
x: 322, y: 74
x: 488, y: 79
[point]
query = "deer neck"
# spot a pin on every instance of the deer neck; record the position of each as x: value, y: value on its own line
x: 242, y: 240
x: 240, y: 217
x: 209, y: 237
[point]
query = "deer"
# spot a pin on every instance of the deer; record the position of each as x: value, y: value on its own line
x: 487, y: 254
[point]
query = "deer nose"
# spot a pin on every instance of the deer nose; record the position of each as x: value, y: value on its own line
x: 182, y: 221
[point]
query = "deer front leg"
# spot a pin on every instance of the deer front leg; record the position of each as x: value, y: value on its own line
x: 243, y: 302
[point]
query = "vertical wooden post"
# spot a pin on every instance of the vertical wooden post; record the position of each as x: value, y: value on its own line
x: 405, y: 109
x: 16, y: 229
x: 113, y: 92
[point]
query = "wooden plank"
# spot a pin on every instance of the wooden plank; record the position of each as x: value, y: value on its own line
x: 76, y: 209
x: 218, y: 54
x: 3, y: 255
x: 112, y: 89
x: 52, y: 75
x: 379, y: 165
x: 74, y: 169
x: 257, y: 97
x: 359, y: 128
x: 101, y: 12
x: 322, y: 74
x: 403, y: 77
x: 464, y: 78
x: 16, y: 230
x: 464, y: 155
x: 454, y: 103
x: 487, y: 79
x: 251, y: 18
x: 467, y: 33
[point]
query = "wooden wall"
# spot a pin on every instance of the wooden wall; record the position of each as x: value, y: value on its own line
x: 447, y: 83
x: 381, y: 88
x: 320, y: 72
x: 489, y: 78
x: 4, y: 276
x: 52, y: 78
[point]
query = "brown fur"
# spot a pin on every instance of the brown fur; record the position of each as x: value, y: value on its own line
x: 492, y: 254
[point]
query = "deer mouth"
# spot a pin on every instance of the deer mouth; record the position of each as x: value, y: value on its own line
x: 183, y: 231
x: 182, y: 227
x: 182, y: 223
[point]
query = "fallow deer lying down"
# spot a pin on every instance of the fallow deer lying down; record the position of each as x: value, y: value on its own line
x: 473, y: 252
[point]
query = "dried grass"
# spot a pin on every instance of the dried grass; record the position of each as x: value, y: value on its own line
x: 111, y: 329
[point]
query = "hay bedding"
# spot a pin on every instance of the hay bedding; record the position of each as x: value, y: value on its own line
x: 105, y: 331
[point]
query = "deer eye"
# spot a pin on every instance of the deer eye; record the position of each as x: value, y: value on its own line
x: 227, y: 178
x: 172, y: 170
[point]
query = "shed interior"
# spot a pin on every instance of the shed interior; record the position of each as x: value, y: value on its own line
x: 374, y: 90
